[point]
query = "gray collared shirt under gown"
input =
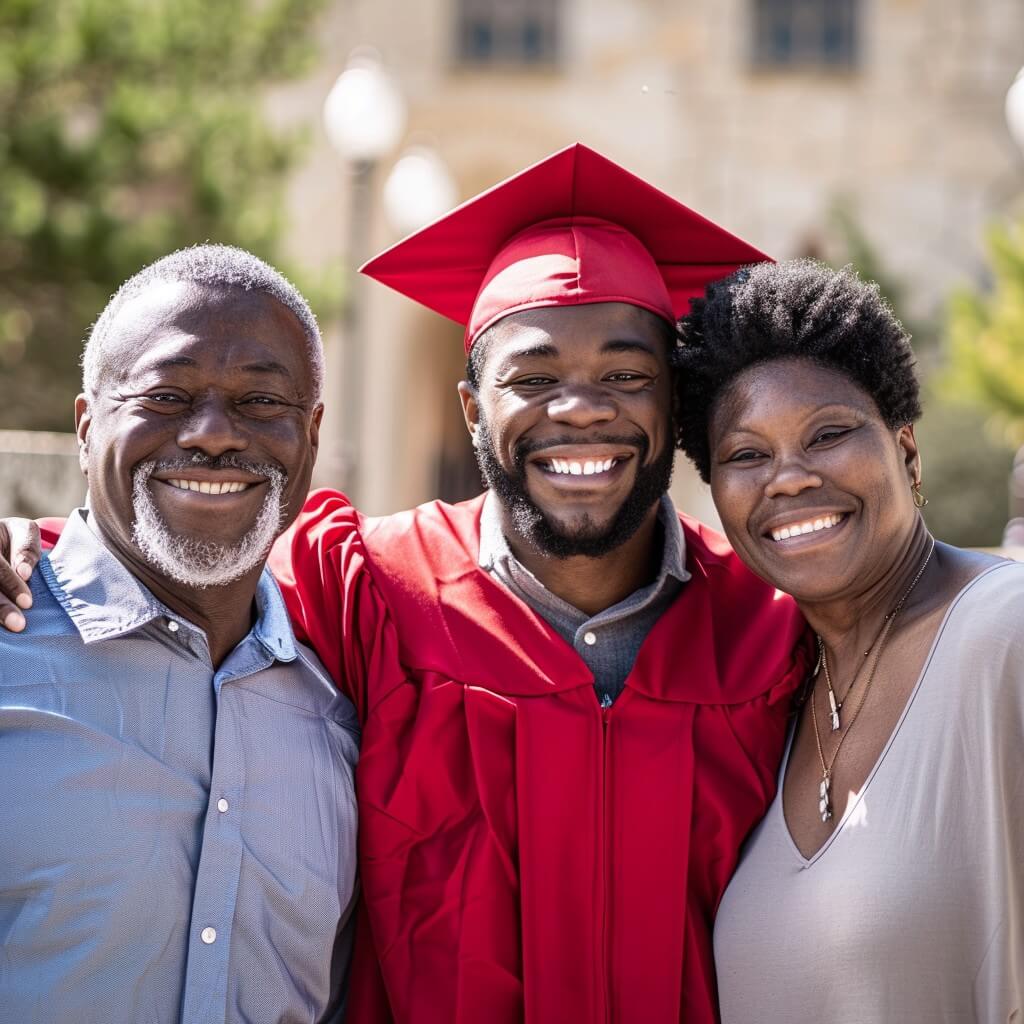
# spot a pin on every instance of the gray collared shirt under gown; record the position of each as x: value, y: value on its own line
x: 177, y: 843
x: 610, y: 640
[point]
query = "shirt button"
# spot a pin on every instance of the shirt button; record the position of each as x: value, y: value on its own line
x: 172, y: 625
x: 222, y: 805
x: 208, y: 935
x: 590, y: 639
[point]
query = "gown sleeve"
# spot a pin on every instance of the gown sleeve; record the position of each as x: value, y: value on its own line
x: 321, y: 566
x: 335, y: 607
x: 50, y: 529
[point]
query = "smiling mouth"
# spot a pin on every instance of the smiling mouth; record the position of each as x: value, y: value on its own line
x: 209, y: 486
x: 579, y: 467
x: 806, y: 526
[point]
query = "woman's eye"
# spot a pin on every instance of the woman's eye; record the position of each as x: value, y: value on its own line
x: 745, y: 455
x: 831, y: 434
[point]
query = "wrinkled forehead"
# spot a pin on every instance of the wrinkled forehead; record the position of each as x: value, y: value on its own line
x: 169, y: 314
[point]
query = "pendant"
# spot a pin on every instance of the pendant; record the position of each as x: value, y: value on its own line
x: 834, y: 710
x: 825, y: 797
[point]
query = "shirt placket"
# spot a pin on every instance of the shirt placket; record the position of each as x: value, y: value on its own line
x: 216, y: 887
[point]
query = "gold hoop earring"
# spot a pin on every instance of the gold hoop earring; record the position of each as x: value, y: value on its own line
x: 919, y: 499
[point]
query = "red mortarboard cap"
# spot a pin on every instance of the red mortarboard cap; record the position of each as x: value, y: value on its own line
x: 572, y: 229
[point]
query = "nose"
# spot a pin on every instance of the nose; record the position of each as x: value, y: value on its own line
x: 791, y: 475
x: 580, y: 405
x: 213, y: 428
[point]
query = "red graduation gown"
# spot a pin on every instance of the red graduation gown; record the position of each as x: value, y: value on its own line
x: 526, y: 855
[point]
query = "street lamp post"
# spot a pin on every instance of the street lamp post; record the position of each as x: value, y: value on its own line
x: 364, y: 117
x: 1014, y: 535
x: 1015, y: 110
x: 418, y: 190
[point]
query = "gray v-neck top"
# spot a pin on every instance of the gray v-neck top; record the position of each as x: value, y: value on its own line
x: 913, y: 910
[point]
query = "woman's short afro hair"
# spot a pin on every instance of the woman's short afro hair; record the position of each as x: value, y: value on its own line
x: 802, y: 309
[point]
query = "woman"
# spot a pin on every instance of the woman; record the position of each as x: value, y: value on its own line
x: 886, y: 883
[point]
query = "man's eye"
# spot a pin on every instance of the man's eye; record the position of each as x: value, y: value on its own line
x: 627, y: 376
x: 162, y: 398
x: 535, y: 381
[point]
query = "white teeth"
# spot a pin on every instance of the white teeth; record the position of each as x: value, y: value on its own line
x: 586, y: 468
x: 810, y: 526
x: 206, y: 487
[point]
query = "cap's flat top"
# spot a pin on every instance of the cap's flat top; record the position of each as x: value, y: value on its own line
x: 444, y: 265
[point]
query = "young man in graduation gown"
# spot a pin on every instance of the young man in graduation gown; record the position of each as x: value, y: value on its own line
x: 573, y: 698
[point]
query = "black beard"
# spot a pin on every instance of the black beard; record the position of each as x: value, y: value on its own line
x: 548, y: 538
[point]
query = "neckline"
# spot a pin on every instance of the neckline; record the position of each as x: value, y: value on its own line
x: 808, y: 862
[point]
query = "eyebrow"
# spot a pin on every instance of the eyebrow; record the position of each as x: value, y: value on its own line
x: 548, y: 351
x: 628, y: 345
x: 266, y: 367
x: 741, y: 427
x: 543, y: 350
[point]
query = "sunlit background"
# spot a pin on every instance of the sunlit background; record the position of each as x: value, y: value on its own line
x: 315, y: 132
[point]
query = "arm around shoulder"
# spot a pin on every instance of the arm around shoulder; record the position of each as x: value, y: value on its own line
x: 321, y: 566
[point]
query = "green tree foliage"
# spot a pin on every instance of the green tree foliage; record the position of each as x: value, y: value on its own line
x: 965, y: 471
x: 128, y: 128
x: 986, y: 336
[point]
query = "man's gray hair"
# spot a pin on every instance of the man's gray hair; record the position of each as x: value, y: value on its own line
x: 219, y: 266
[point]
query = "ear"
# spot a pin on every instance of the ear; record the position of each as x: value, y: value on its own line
x: 314, y: 429
x: 911, y: 456
x: 83, y: 421
x: 470, y: 408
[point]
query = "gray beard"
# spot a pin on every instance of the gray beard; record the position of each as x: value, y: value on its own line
x: 199, y: 563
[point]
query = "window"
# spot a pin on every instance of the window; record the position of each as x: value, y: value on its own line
x: 805, y: 34
x: 508, y: 32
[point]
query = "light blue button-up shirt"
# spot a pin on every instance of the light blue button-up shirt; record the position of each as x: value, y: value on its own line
x: 177, y: 843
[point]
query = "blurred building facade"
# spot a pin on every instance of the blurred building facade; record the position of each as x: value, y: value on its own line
x: 761, y: 114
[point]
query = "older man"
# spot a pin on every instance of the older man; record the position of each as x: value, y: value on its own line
x: 573, y: 698
x: 178, y: 824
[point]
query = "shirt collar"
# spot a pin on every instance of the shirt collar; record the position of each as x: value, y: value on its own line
x: 494, y: 547
x: 103, y: 599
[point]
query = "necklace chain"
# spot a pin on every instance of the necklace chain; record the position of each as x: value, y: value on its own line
x: 877, y: 645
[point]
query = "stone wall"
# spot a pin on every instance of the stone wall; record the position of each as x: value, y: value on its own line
x: 39, y: 473
x: 911, y: 138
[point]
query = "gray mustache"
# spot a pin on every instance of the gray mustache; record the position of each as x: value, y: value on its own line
x: 201, y: 461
